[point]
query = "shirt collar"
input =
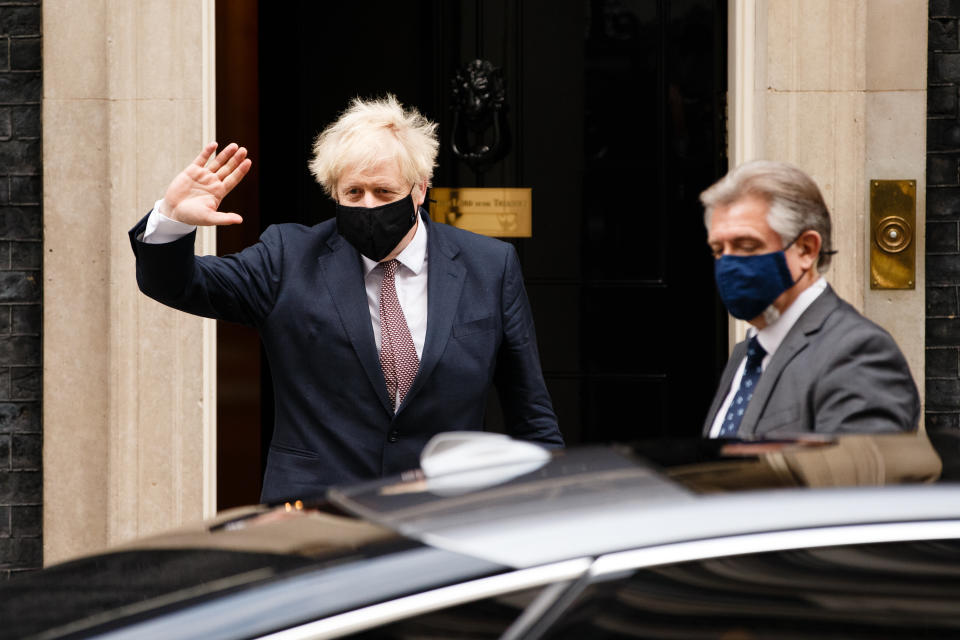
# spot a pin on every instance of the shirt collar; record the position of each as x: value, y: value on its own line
x: 413, y: 255
x: 773, y: 334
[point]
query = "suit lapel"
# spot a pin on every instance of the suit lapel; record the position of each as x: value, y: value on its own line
x: 809, y: 323
x: 343, y: 276
x: 445, y: 278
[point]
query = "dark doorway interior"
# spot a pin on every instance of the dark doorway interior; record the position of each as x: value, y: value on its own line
x: 615, y: 113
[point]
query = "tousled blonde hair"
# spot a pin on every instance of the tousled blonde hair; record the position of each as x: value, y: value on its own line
x: 370, y: 132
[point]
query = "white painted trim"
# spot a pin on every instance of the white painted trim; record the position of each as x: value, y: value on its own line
x: 742, y: 108
x: 207, y: 237
x: 742, y: 74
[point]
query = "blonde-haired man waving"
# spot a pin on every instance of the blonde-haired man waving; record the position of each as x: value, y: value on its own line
x: 381, y: 327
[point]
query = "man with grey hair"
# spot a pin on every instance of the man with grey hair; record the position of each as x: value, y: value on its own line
x: 381, y: 327
x: 811, y: 363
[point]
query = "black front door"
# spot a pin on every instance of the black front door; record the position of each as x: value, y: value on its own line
x: 614, y: 120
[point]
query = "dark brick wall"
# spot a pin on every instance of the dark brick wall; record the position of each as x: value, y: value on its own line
x: 21, y: 258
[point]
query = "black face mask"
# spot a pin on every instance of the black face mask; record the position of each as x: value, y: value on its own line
x: 376, y: 231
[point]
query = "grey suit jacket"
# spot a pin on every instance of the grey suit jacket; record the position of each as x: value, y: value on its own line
x: 834, y: 372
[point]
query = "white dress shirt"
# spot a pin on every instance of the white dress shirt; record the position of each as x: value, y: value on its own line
x: 770, y: 338
x: 411, y: 277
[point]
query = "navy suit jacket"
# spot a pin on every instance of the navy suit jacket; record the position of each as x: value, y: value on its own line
x: 302, y: 288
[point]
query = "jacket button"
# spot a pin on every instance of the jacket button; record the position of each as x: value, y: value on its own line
x: 393, y: 436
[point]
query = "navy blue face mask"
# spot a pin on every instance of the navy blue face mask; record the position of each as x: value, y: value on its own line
x: 749, y: 284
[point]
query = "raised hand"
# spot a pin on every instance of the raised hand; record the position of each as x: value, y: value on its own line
x: 195, y: 194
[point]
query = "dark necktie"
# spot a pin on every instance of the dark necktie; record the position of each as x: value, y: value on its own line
x: 398, y: 355
x: 748, y: 382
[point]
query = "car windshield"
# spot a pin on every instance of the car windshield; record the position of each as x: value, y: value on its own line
x: 592, y: 500
x: 708, y: 466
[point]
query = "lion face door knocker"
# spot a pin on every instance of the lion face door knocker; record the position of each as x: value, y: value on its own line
x: 480, y: 134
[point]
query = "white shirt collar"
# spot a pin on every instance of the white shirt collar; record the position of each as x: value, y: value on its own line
x: 413, y: 255
x: 773, y: 334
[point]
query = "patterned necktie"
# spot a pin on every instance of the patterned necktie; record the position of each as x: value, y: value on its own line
x: 748, y: 382
x: 398, y: 355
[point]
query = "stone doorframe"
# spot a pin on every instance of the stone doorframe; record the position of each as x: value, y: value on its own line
x: 839, y: 88
x: 129, y: 402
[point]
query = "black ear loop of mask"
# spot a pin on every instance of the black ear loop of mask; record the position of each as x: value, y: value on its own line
x: 830, y: 252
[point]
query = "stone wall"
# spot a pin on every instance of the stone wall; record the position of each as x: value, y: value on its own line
x: 21, y: 259
x: 943, y: 218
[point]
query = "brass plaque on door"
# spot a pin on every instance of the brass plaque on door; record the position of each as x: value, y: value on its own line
x: 893, y: 218
x: 491, y: 211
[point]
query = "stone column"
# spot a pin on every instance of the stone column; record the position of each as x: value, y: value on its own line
x: 838, y: 87
x: 127, y: 395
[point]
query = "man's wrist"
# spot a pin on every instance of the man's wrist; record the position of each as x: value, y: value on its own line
x: 161, y: 229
